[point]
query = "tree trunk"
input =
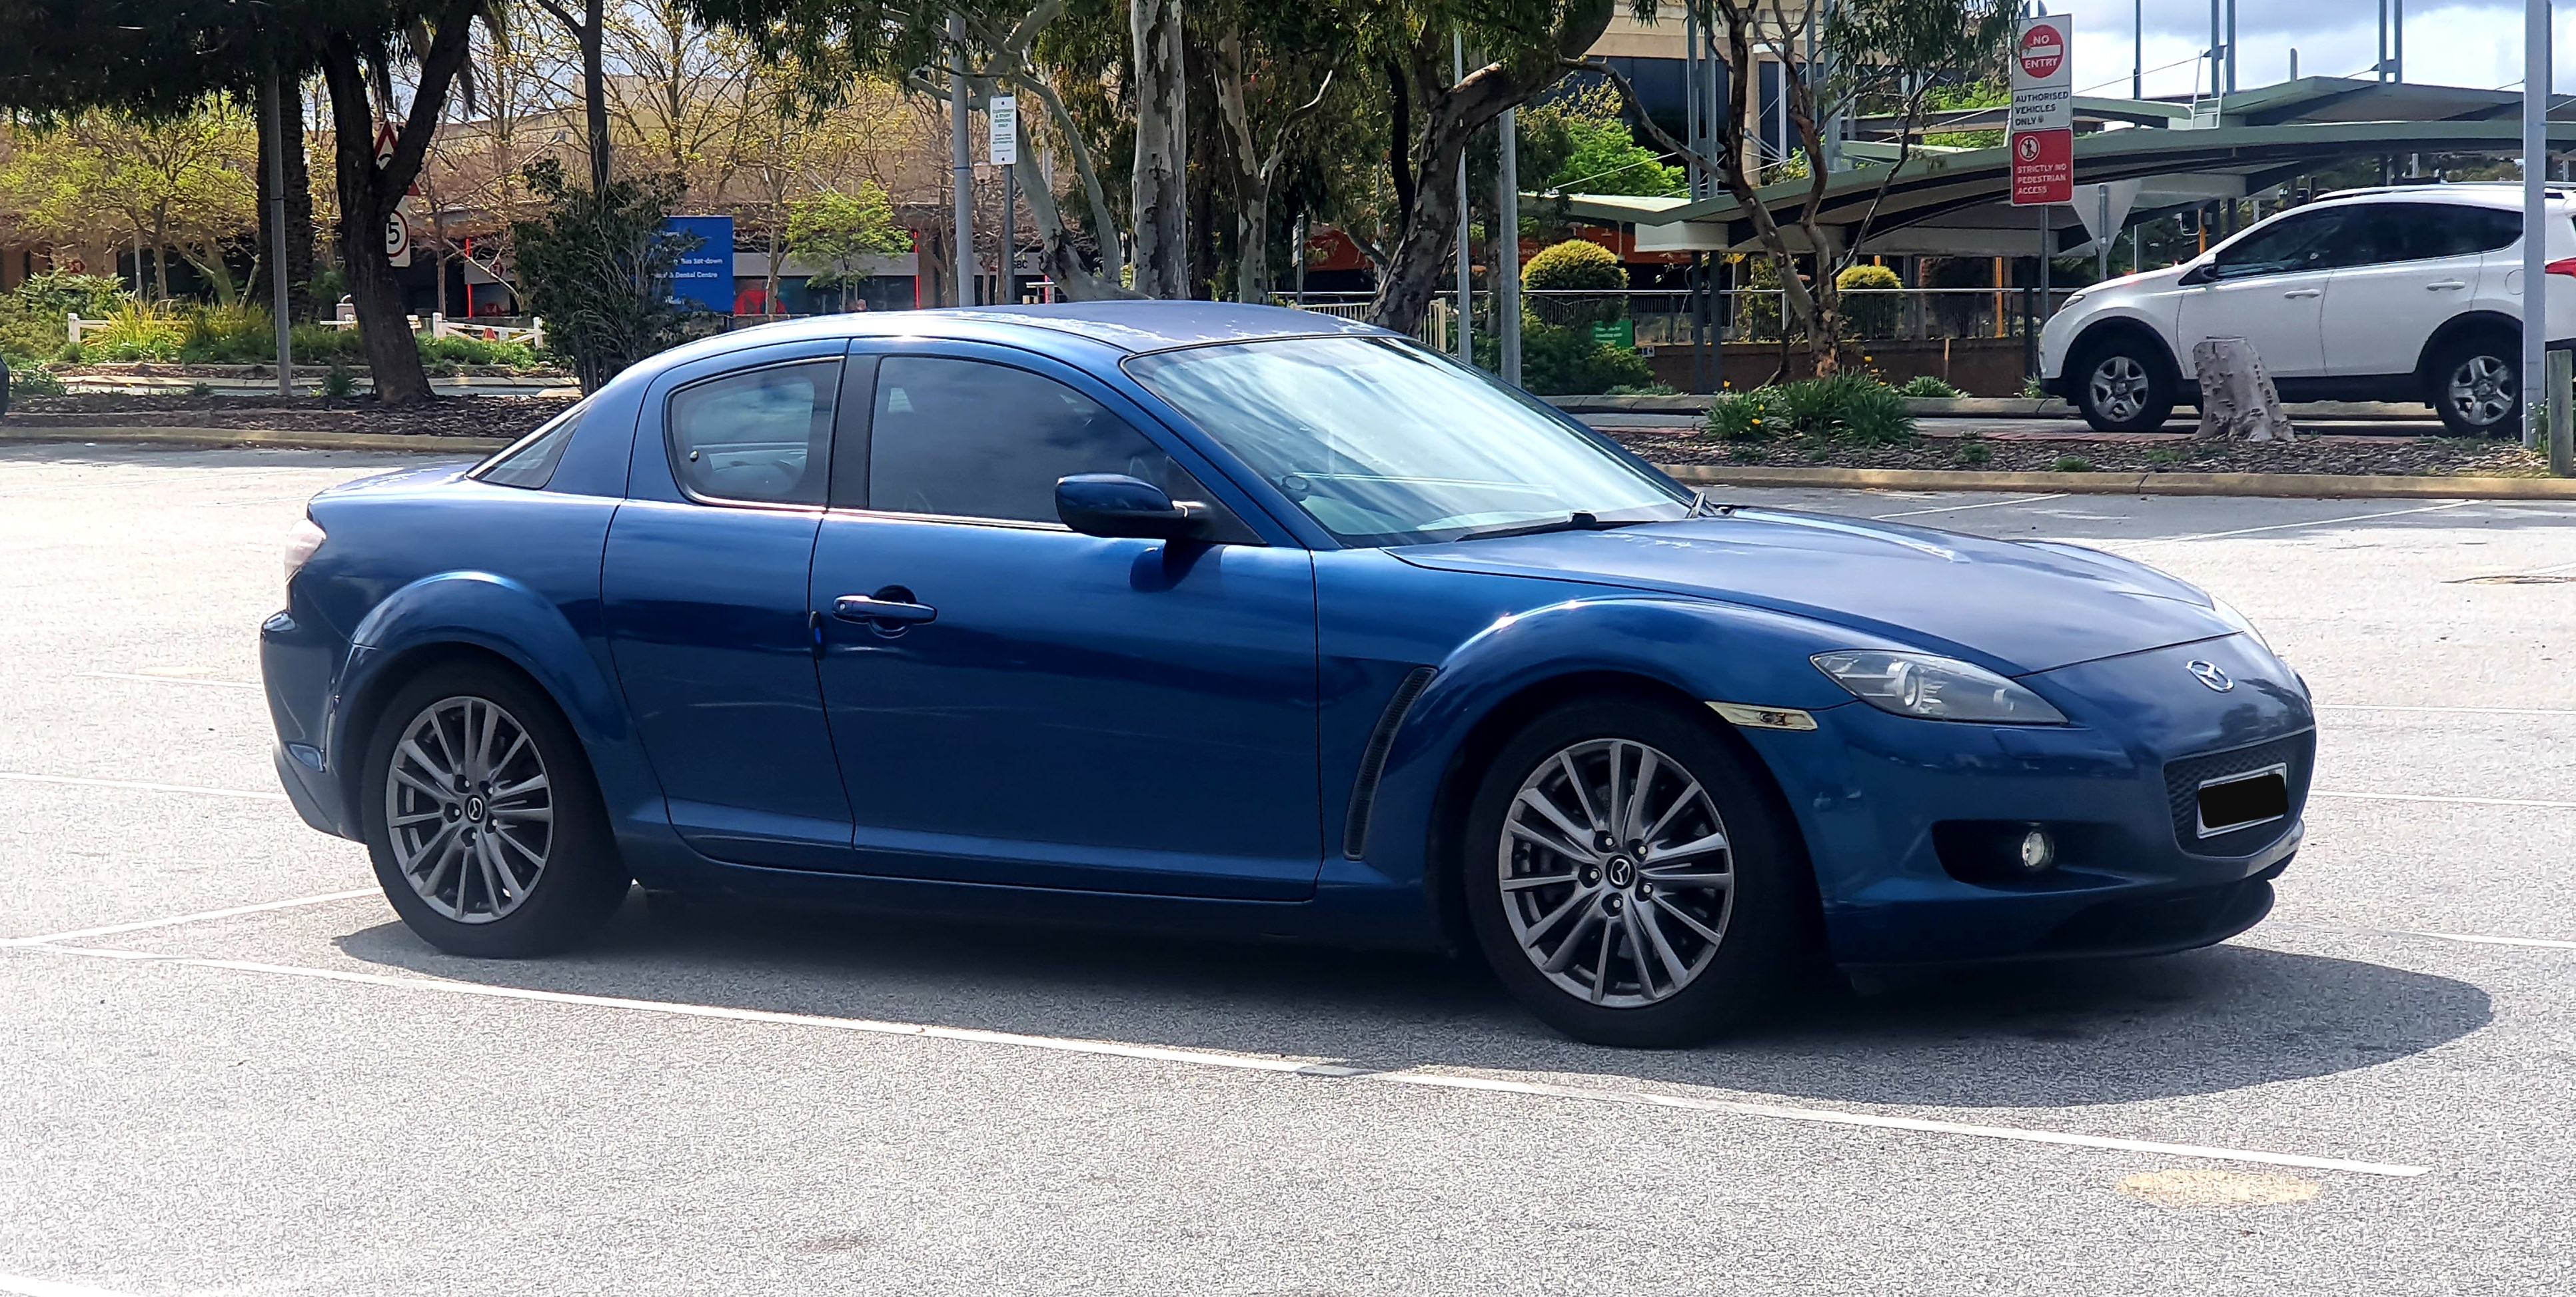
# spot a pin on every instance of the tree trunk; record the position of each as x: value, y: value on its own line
x: 368, y: 194
x: 1161, y: 193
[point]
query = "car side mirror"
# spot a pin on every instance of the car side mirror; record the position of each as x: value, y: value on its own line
x: 2200, y: 274
x: 1114, y: 504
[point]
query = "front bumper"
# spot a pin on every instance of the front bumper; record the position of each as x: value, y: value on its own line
x: 1880, y: 795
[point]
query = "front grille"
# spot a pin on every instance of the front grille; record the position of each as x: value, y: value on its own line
x: 2185, y: 775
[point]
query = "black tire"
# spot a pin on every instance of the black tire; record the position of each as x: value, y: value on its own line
x: 2123, y: 383
x: 1765, y: 924
x: 2469, y: 376
x: 578, y: 878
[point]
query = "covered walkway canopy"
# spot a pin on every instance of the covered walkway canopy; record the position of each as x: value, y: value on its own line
x: 1946, y: 202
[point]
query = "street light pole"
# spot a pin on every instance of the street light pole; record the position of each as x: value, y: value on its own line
x: 1466, y: 269
x: 961, y: 164
x: 270, y: 102
x: 2535, y: 212
x: 2138, y: 49
x: 1507, y: 248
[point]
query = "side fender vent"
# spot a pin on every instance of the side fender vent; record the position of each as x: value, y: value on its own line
x: 1373, y: 761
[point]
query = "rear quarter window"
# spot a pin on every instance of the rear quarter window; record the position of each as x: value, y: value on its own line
x: 529, y: 462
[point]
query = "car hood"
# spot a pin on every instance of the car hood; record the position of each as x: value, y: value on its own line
x: 2025, y: 606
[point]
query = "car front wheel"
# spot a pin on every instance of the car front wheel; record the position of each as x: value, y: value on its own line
x: 2477, y: 388
x: 2123, y: 386
x: 485, y: 827
x: 1627, y: 880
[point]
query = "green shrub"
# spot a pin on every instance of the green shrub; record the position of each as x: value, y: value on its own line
x: 476, y: 351
x: 339, y: 382
x: 1648, y: 389
x: 1925, y: 385
x: 1975, y: 452
x: 1849, y: 407
x: 1562, y: 360
x: 2164, y: 455
x: 229, y: 335
x: 321, y: 343
x: 35, y: 380
x: 138, y: 331
x: 1575, y: 264
x: 1747, y: 416
x: 2072, y: 464
x: 1871, y: 314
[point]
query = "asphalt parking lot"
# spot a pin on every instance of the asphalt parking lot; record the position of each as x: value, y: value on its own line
x: 226, y: 1068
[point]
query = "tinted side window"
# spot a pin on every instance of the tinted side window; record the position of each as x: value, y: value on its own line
x: 531, y: 462
x: 970, y: 440
x: 2297, y: 242
x: 2384, y: 233
x: 762, y: 436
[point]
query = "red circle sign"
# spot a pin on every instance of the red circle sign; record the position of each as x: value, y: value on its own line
x: 2028, y: 148
x: 2043, y: 51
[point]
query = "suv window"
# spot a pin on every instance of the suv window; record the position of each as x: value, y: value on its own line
x: 530, y: 461
x: 762, y: 436
x: 2296, y: 242
x: 966, y: 439
x: 2381, y: 233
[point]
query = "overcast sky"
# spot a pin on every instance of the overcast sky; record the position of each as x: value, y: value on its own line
x: 2451, y: 44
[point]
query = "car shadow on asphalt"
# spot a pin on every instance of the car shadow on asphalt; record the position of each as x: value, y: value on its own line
x: 2030, y: 1036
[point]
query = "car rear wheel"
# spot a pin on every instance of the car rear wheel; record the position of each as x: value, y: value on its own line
x: 2477, y: 387
x: 483, y: 820
x: 2122, y: 385
x: 1627, y: 880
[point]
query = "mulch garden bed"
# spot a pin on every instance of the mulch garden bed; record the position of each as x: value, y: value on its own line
x: 2143, y: 453
x: 447, y: 416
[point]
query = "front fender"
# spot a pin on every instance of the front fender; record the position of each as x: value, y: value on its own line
x: 501, y: 616
x: 1708, y: 651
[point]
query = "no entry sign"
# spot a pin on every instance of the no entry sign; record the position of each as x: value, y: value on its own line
x: 2043, y: 112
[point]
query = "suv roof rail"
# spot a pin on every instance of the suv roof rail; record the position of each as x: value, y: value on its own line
x: 2553, y: 189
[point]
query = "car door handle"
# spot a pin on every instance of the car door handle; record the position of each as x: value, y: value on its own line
x: 2304, y: 292
x: 870, y: 608
x: 2440, y: 284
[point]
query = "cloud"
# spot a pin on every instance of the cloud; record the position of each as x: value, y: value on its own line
x: 2467, y: 44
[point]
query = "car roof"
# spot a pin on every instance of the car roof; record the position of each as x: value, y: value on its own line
x: 2467, y: 194
x: 1135, y: 325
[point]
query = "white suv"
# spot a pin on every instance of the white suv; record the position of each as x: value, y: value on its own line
x: 2405, y: 294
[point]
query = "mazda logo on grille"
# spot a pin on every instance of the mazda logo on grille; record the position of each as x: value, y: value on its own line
x: 2209, y: 674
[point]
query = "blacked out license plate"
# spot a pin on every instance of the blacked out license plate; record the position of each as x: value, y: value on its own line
x: 2243, y: 801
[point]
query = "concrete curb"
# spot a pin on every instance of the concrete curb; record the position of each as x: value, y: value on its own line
x: 221, y: 438
x: 2295, y: 485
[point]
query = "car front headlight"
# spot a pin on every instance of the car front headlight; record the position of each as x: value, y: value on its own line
x: 1935, y: 688
x: 2244, y: 626
x: 301, y: 544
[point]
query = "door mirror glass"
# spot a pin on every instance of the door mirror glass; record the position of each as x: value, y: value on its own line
x: 1114, y: 504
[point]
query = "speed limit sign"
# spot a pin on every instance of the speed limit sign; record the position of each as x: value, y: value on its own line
x: 397, y: 239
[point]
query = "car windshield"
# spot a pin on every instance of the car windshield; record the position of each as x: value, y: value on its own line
x: 1384, y: 443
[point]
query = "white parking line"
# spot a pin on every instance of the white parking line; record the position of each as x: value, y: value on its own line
x: 1962, y: 508
x: 2462, y: 711
x: 175, y: 920
x: 2536, y: 942
x: 140, y: 786
x: 164, y: 680
x: 2460, y: 801
x: 1273, y: 1065
x: 21, y: 1286
x: 2281, y: 526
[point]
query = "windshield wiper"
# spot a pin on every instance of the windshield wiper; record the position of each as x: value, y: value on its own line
x: 1576, y: 521
x: 1703, y: 507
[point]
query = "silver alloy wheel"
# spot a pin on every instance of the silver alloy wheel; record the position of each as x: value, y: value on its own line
x: 2482, y: 390
x: 469, y: 810
x: 2119, y: 388
x: 1616, y: 874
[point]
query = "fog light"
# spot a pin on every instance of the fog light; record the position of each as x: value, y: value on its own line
x: 2038, y: 851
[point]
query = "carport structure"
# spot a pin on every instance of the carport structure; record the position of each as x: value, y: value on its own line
x: 1955, y: 202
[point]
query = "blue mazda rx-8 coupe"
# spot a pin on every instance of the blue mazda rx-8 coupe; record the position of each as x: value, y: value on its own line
x: 1255, y: 622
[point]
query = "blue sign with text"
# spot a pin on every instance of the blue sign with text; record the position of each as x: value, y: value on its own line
x: 705, y: 275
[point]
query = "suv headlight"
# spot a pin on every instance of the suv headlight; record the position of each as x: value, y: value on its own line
x: 1935, y: 688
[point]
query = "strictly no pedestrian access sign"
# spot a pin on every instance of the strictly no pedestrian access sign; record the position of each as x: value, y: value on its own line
x: 2043, y: 112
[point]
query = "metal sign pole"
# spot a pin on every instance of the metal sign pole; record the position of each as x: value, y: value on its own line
x: 961, y: 165
x: 1507, y: 248
x: 2535, y: 208
x: 270, y: 102
x: 1466, y: 269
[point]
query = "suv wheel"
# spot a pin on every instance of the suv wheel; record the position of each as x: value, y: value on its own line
x: 486, y: 830
x: 1627, y: 880
x: 2122, y: 385
x: 2476, y: 386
